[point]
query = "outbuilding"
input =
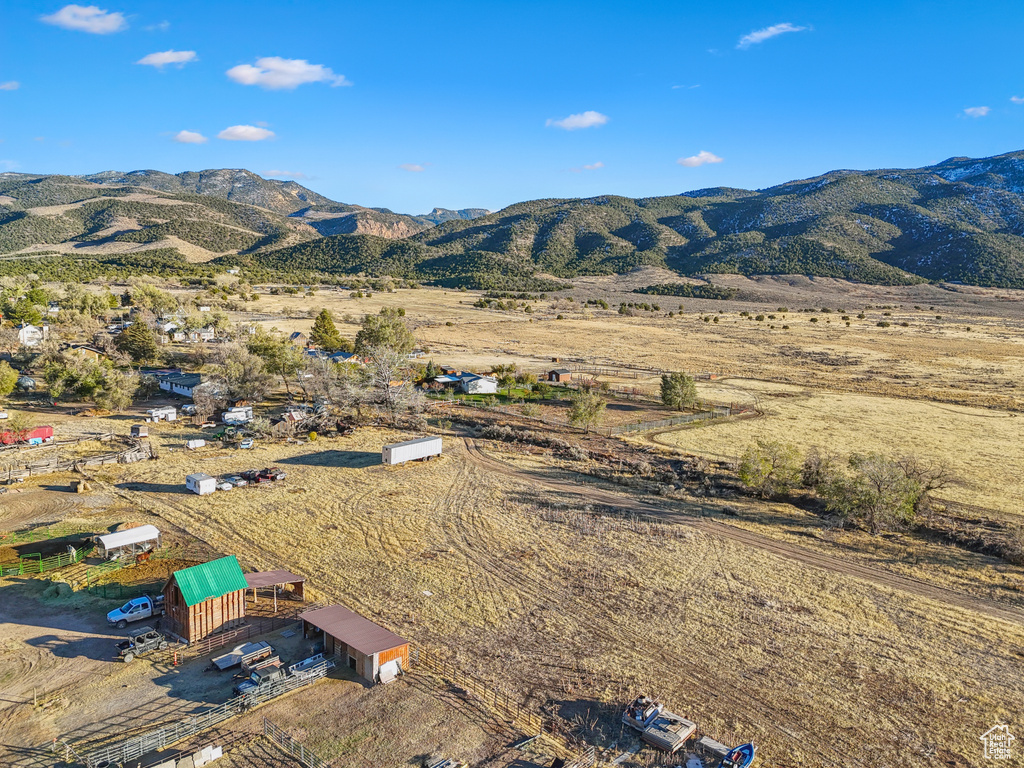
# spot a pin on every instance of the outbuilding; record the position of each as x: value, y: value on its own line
x: 163, y: 413
x: 560, y: 375
x: 374, y: 653
x: 139, y: 430
x: 205, y: 598
x: 201, y: 484
x: 128, y: 542
x: 283, y: 583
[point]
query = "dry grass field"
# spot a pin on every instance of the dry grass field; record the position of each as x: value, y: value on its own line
x: 553, y: 605
x: 981, y: 445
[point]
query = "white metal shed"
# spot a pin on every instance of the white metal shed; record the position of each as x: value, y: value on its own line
x: 129, y: 541
x: 201, y: 484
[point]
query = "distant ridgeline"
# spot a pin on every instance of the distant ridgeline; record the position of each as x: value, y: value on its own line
x: 961, y: 220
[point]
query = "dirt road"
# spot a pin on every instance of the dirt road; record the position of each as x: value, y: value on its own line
x: 633, y: 506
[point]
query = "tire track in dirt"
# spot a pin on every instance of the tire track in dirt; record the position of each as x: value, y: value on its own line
x: 784, y: 550
x: 602, y: 621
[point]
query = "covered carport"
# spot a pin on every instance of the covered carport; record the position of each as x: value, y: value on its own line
x: 277, y: 581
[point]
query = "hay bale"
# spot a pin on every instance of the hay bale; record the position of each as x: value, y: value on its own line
x: 57, y: 591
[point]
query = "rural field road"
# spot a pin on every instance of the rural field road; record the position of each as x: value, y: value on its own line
x: 628, y: 505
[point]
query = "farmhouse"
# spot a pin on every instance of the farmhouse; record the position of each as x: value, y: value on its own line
x: 472, y: 384
x: 560, y: 374
x: 199, y: 335
x: 205, y: 598
x: 181, y: 383
x: 375, y: 653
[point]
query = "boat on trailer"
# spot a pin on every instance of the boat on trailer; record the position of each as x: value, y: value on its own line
x: 740, y: 757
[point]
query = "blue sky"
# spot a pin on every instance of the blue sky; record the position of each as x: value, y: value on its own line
x: 412, y: 105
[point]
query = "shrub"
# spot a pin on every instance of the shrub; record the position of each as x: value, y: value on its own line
x: 883, y: 324
x: 770, y: 468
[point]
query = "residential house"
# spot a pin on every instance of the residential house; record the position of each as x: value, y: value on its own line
x: 472, y: 384
x: 200, y: 335
x: 183, y: 384
x: 84, y: 350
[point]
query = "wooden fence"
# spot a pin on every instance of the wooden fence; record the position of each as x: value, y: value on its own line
x: 25, y: 448
x: 136, y: 451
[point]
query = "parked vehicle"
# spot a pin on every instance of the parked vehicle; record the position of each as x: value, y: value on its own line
x: 740, y: 757
x: 247, y: 444
x: 136, y: 610
x: 3, y: 414
x: 246, y: 652
x: 236, y: 481
x: 225, y: 486
x: 272, y: 474
x: 262, y: 678
x: 250, y: 475
x: 658, y: 727
x: 141, y: 642
x: 189, y: 409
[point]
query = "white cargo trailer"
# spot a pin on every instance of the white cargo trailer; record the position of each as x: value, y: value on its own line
x: 411, y: 450
x: 240, y: 415
x: 164, y: 413
x: 195, y: 445
x: 201, y: 484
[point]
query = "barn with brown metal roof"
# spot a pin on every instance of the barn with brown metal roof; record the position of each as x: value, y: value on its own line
x: 376, y: 654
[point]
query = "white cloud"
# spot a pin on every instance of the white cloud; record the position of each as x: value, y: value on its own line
x: 163, y: 58
x: 190, y: 137
x: 977, y: 111
x: 87, y: 18
x: 274, y: 73
x: 245, y: 133
x: 701, y: 158
x: 760, y: 35
x: 591, y: 167
x: 287, y: 174
x: 1017, y: 99
x: 687, y: 87
x: 412, y: 167
x: 10, y: 85
x: 163, y: 26
x: 587, y: 119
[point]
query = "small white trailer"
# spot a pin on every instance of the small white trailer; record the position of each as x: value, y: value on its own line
x: 411, y: 450
x: 164, y: 413
x: 195, y: 445
x: 239, y: 415
x: 201, y: 484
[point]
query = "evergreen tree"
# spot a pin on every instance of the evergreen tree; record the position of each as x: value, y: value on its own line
x: 324, y: 334
x: 137, y: 341
x: 8, y: 379
x: 386, y: 330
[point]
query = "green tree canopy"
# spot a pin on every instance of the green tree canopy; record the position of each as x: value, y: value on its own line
x: 386, y: 330
x: 678, y: 391
x: 8, y: 379
x: 325, y: 334
x: 137, y: 341
x: 585, y: 409
x: 770, y: 467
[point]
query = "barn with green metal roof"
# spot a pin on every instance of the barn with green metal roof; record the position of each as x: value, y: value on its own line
x: 205, y: 598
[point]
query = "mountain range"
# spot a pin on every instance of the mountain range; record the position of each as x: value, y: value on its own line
x: 961, y: 220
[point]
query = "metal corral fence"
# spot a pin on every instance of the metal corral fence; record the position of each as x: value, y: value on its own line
x: 716, y: 412
x: 38, y: 564
x: 523, y: 719
x: 160, y: 738
x: 292, y: 747
x: 30, y: 535
x: 258, y: 627
x: 95, y: 572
